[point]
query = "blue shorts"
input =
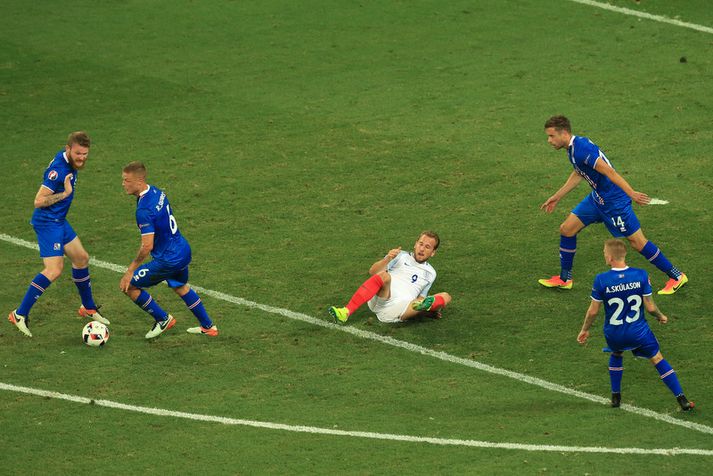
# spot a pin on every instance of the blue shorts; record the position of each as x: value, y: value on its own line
x: 52, y: 237
x: 645, y: 347
x: 151, y: 273
x: 620, y: 221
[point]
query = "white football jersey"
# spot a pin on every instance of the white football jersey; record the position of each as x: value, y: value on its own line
x: 409, y: 278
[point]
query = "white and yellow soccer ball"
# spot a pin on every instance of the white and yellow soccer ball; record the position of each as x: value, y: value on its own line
x: 95, y: 334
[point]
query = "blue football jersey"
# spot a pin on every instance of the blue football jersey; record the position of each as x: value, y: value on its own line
x: 153, y: 215
x: 53, y: 179
x: 622, y: 292
x: 584, y: 154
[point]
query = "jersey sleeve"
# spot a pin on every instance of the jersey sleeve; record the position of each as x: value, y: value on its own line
x: 647, y: 291
x: 597, y: 294
x: 144, y: 220
x: 54, y: 179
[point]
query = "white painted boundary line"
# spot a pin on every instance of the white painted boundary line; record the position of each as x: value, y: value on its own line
x: 647, y: 16
x: 406, y: 346
x: 658, y: 201
x: 352, y: 434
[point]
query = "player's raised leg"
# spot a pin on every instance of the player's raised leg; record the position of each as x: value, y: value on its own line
x: 652, y: 253
x: 430, y: 304
x: 80, y: 275
x: 568, y: 247
x: 378, y: 284
x: 668, y: 377
x: 195, y: 305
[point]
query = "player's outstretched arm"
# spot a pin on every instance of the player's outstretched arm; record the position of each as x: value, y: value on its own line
x: 571, y: 183
x: 46, y: 197
x: 589, y: 317
x: 381, y: 265
x: 653, y: 309
x: 639, y: 197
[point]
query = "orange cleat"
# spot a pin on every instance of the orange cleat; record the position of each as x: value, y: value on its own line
x: 93, y: 314
x: 20, y: 322
x: 555, y: 282
x: 673, y: 285
x: 213, y: 331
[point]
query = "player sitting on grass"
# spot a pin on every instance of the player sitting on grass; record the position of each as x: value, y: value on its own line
x: 623, y: 290
x: 398, y: 288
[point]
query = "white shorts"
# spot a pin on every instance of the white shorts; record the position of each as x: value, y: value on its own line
x: 388, y: 310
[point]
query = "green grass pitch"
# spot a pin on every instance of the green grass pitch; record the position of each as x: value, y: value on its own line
x: 300, y: 141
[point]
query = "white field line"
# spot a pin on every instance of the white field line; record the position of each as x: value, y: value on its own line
x: 658, y: 201
x: 407, y: 346
x: 644, y: 15
x: 352, y: 434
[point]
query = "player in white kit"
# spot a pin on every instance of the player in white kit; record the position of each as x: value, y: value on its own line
x: 398, y: 287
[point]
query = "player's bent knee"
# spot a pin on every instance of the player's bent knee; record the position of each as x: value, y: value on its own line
x: 182, y: 290
x: 53, y: 272
x: 636, y: 243
x: 132, y: 292
x: 81, y: 260
x: 567, y: 230
x: 385, y: 276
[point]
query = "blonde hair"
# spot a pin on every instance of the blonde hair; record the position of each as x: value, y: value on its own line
x: 615, y: 248
x: 136, y: 168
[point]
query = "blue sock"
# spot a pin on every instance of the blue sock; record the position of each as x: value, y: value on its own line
x: 38, y: 286
x: 616, y: 371
x: 652, y: 253
x: 668, y: 375
x: 194, y: 303
x: 84, y: 285
x: 568, y: 247
x: 148, y: 304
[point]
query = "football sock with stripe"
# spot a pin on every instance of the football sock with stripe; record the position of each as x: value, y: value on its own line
x: 84, y: 286
x: 652, y: 253
x: 438, y: 302
x: 366, y: 291
x: 568, y: 247
x: 668, y: 375
x: 148, y: 304
x: 37, y: 287
x: 616, y: 372
x: 194, y: 303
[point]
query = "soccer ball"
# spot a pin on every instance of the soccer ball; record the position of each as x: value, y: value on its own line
x: 95, y: 334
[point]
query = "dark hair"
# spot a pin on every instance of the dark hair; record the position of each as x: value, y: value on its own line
x: 433, y: 235
x: 80, y: 138
x: 559, y: 123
